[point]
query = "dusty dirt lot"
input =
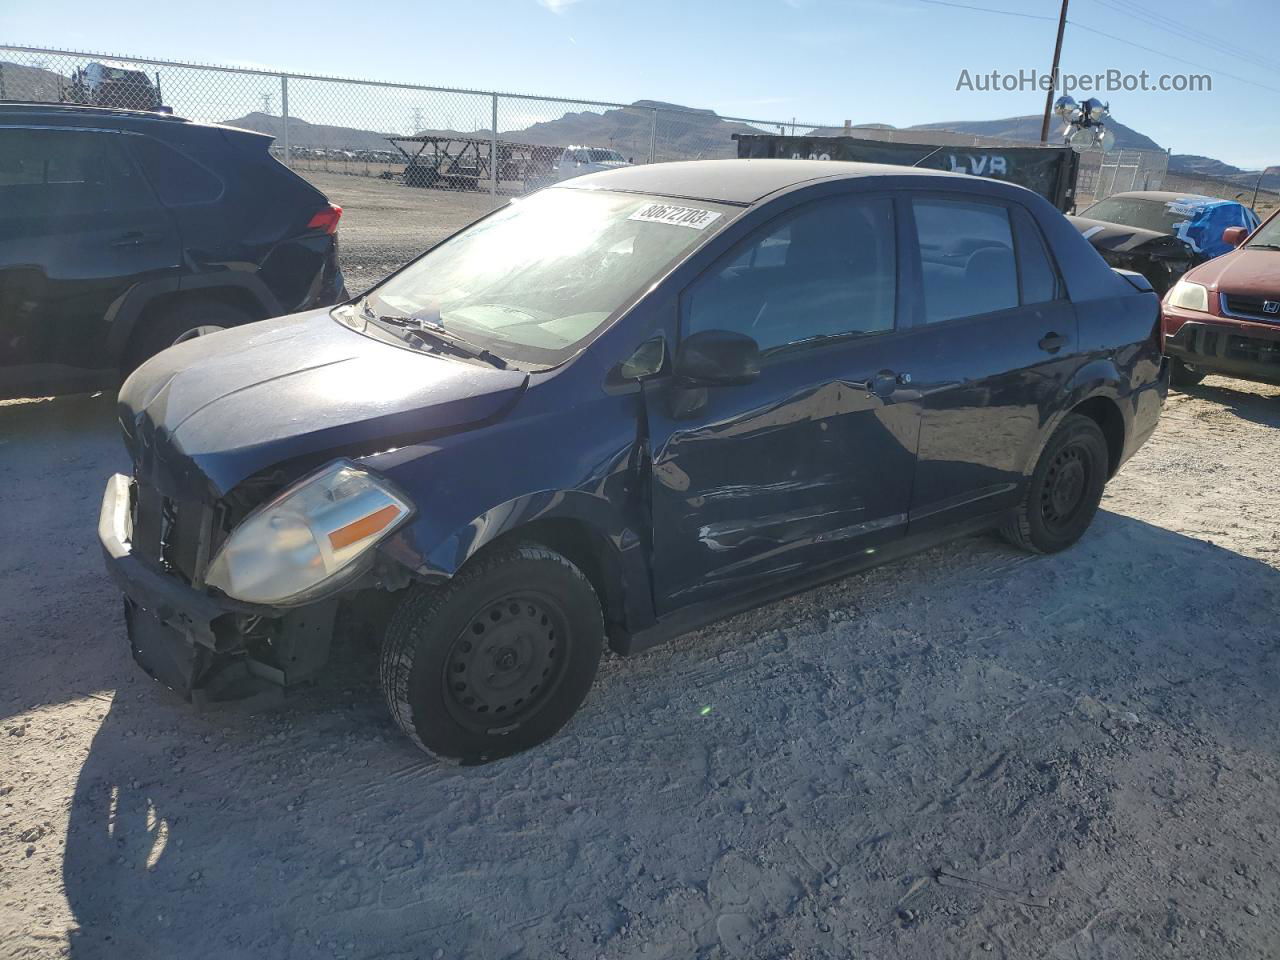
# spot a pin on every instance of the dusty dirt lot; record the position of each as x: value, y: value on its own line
x: 385, y: 223
x: 972, y: 753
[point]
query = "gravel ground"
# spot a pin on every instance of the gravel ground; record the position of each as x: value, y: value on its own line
x: 970, y: 753
x: 385, y: 223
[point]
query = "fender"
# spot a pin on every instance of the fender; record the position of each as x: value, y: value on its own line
x: 1100, y: 377
x: 124, y: 313
x: 575, y: 521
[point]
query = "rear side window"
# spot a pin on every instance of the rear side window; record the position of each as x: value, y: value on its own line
x: 48, y: 173
x: 177, y: 179
x: 1039, y: 277
x: 966, y: 258
x: 827, y: 269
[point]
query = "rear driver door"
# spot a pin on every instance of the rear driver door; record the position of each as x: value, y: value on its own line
x: 995, y: 348
x: 79, y: 228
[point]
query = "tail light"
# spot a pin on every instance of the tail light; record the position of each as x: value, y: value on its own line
x: 326, y: 219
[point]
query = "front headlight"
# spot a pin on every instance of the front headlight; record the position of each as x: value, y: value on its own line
x: 307, y: 540
x: 1189, y: 296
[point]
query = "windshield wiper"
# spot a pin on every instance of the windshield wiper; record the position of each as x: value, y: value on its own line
x: 428, y: 331
x: 1263, y: 246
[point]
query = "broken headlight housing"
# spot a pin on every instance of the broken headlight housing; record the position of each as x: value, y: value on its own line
x: 308, y: 540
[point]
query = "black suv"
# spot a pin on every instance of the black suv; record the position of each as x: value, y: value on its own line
x: 123, y: 232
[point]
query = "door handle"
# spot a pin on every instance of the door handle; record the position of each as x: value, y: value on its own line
x: 135, y: 238
x: 1052, y: 342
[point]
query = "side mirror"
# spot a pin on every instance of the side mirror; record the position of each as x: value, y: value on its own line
x: 1234, y: 236
x: 717, y: 358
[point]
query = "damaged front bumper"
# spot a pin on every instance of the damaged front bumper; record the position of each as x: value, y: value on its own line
x: 203, y: 647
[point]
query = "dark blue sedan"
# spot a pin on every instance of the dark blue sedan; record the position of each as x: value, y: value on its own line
x: 613, y: 411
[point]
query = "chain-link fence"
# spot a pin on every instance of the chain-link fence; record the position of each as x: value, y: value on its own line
x: 429, y: 137
x: 1102, y: 174
x: 485, y: 143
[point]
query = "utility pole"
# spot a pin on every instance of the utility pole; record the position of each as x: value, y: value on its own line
x: 1057, y: 55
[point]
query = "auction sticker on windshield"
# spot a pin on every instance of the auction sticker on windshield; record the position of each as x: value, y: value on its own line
x: 680, y: 216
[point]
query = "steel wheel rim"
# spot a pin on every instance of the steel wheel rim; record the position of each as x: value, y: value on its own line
x: 1065, y: 490
x: 506, y: 662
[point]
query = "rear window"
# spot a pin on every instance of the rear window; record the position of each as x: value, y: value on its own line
x: 177, y: 179
x: 966, y: 258
x: 1135, y: 212
x: 67, y: 173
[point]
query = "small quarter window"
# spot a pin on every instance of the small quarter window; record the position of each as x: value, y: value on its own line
x: 1036, y: 271
x: 176, y: 178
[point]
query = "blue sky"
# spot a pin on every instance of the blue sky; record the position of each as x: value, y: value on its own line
x: 890, y: 61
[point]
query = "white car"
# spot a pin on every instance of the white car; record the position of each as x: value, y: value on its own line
x: 575, y: 161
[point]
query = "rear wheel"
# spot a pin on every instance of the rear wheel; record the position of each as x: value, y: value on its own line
x: 1183, y: 375
x: 1065, y: 489
x: 178, y: 323
x: 496, y: 661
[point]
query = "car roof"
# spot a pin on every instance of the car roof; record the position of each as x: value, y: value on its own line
x: 1167, y: 196
x: 740, y: 181
x: 34, y: 109
x: 63, y: 112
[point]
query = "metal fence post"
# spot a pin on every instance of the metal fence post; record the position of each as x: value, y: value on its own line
x: 653, y: 137
x: 493, y: 152
x: 284, y: 117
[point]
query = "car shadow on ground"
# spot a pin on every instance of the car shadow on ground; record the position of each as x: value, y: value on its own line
x: 1261, y: 404
x: 316, y: 829
x: 55, y: 457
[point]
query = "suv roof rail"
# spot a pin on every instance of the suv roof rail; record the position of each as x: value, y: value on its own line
x: 164, y: 113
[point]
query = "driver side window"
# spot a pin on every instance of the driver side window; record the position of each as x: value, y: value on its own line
x: 827, y: 269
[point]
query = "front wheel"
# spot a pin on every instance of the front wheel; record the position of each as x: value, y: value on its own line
x: 178, y: 323
x: 1065, y: 489
x: 497, y: 660
x: 1184, y: 375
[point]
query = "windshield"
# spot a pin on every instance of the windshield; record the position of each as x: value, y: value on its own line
x: 1268, y: 234
x: 1134, y: 212
x: 537, y: 279
x: 604, y: 156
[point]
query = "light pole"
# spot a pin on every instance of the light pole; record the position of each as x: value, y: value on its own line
x: 1053, y: 75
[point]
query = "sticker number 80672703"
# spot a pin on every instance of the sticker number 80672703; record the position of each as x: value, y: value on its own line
x: 677, y: 215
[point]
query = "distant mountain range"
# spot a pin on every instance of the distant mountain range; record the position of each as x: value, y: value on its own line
x: 683, y: 133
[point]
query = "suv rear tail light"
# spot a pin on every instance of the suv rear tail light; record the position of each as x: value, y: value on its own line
x: 326, y: 219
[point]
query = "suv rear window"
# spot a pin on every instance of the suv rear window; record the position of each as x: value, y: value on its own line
x: 176, y: 178
x: 67, y: 173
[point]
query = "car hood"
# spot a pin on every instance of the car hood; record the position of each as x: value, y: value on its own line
x: 1243, y: 271
x: 1120, y: 237
x: 201, y: 417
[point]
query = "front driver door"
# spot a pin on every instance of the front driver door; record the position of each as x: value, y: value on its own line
x: 813, y: 461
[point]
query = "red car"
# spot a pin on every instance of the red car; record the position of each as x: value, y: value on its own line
x: 1224, y: 315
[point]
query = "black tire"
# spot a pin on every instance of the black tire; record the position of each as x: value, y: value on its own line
x: 1183, y: 375
x: 175, y: 323
x: 1065, y: 489
x: 497, y: 660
